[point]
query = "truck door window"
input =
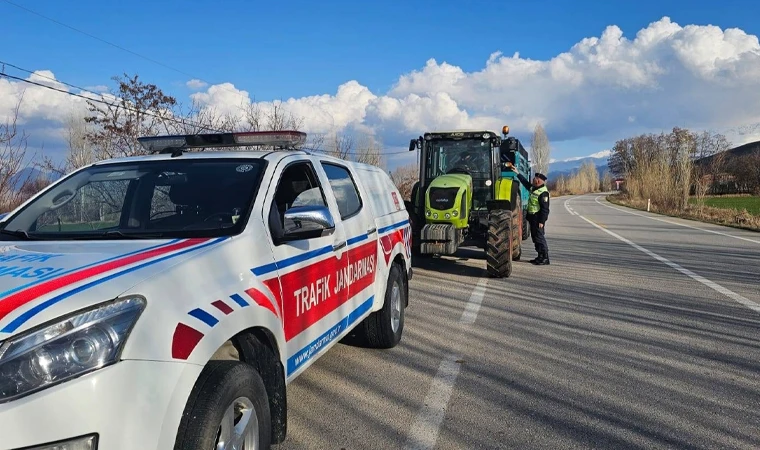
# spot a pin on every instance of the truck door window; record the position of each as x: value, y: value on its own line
x: 344, y: 188
x: 298, y: 186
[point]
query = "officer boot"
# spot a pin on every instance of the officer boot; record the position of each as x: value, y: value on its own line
x: 542, y: 259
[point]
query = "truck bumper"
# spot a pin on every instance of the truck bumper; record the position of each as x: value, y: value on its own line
x: 129, y: 405
x: 440, y: 238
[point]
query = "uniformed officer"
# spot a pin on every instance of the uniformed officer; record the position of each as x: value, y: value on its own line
x: 538, y: 213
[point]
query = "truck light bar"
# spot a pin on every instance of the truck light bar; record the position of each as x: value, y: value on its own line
x: 169, y: 144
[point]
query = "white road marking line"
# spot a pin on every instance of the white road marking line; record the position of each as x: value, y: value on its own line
x: 470, y: 312
x: 675, y: 223
x: 428, y: 423
x: 568, y: 208
x: 424, y: 431
x: 711, y: 284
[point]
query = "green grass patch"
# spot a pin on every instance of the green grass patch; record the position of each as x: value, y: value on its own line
x: 751, y: 204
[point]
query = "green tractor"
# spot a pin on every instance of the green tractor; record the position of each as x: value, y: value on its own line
x: 466, y: 196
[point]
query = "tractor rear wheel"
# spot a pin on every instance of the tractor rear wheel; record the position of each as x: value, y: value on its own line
x: 516, y: 234
x: 499, y: 245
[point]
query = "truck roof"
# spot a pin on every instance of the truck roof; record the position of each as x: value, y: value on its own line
x: 464, y: 134
x: 269, y: 155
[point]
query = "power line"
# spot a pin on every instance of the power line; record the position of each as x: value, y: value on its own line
x: 3, y: 74
x: 11, y: 77
x: 119, y: 47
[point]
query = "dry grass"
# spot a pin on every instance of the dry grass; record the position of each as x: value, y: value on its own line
x: 719, y: 216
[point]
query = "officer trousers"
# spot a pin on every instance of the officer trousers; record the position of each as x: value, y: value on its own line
x: 539, y: 239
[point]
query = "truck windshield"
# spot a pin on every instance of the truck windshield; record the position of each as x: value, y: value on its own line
x: 458, y: 156
x: 145, y: 199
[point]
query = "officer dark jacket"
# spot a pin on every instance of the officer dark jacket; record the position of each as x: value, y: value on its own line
x: 543, y: 199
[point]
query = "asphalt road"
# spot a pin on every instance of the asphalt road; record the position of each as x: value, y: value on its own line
x: 644, y: 332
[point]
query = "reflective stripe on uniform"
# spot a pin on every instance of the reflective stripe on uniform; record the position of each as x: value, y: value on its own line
x: 533, y: 206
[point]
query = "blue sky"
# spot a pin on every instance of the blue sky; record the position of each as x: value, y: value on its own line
x: 289, y: 49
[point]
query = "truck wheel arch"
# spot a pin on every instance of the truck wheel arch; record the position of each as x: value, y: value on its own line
x: 258, y: 347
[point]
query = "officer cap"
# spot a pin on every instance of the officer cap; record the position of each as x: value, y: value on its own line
x: 541, y: 176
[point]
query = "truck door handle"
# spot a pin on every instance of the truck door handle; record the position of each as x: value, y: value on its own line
x: 337, y: 247
x: 371, y: 230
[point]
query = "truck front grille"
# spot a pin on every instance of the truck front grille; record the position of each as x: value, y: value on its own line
x: 443, y: 198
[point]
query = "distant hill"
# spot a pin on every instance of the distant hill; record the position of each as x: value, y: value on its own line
x: 736, y: 152
x: 571, y: 165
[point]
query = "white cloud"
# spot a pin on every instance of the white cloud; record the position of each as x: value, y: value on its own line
x: 196, y: 84
x: 602, y: 88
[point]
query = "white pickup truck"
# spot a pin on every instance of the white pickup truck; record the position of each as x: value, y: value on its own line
x: 165, y: 301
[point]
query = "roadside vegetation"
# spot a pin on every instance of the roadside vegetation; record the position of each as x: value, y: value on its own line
x: 690, y: 175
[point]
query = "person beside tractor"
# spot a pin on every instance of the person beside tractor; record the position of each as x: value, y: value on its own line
x: 537, y: 213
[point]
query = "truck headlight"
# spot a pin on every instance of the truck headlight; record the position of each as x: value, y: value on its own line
x: 67, y: 348
x: 455, y: 213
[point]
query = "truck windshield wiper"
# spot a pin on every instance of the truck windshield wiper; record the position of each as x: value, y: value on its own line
x: 17, y: 233
x: 120, y: 234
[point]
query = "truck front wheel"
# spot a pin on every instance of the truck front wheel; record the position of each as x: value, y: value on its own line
x: 499, y: 245
x: 228, y: 408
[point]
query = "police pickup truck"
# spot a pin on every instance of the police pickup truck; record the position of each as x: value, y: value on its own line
x: 165, y: 301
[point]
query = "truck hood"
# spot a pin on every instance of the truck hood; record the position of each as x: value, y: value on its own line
x: 42, y: 280
x: 452, y: 180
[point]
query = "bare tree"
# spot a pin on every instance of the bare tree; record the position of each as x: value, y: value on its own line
x: 14, y: 179
x: 606, y: 181
x: 369, y: 151
x: 540, y: 149
x: 404, y: 178
x: 80, y: 151
x: 682, y: 146
x: 275, y: 118
x: 341, y: 145
x: 204, y: 119
x: 140, y: 109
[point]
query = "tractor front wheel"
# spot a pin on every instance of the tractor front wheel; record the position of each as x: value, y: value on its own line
x: 499, y: 245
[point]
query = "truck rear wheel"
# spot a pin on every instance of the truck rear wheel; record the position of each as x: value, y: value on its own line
x: 499, y: 245
x: 383, y: 328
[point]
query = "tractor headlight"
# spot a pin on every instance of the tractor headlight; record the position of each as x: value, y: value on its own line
x: 455, y: 213
x: 67, y: 348
x: 435, y: 215
x: 447, y: 215
x: 427, y: 213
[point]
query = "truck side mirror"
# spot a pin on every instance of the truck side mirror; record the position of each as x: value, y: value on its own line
x: 307, y: 222
x: 412, y: 144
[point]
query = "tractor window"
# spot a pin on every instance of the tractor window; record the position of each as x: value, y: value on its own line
x: 465, y: 156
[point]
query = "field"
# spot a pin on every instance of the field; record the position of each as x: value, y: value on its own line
x: 751, y: 204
